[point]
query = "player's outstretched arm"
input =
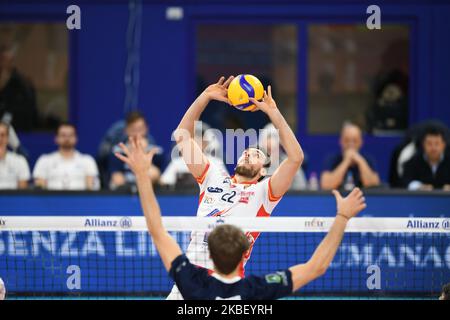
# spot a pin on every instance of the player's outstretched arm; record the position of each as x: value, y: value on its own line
x: 191, y: 152
x: 347, y: 208
x: 282, y: 178
x: 140, y: 162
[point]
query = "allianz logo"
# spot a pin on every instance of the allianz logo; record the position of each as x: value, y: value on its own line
x: 421, y: 224
x: 124, y: 223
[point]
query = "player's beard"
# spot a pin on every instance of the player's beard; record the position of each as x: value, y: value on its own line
x: 246, y: 172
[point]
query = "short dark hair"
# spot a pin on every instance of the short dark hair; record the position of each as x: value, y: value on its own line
x: 446, y: 291
x: 433, y: 130
x: 66, y: 124
x: 227, y: 244
x: 6, y: 125
x: 134, y: 116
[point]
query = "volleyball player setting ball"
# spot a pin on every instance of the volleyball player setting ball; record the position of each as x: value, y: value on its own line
x: 228, y: 246
x: 248, y: 193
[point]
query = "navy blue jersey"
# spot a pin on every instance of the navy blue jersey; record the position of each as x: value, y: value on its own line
x: 332, y: 162
x: 195, y: 283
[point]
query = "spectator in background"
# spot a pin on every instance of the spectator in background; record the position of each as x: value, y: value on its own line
x: 445, y: 294
x: 349, y: 168
x: 17, y: 94
x: 270, y: 141
x: 66, y: 169
x: 429, y: 169
x: 14, y: 170
x: 177, y: 170
x: 120, y: 173
x: 409, y: 146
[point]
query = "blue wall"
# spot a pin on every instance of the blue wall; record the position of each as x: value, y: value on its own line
x: 98, y: 58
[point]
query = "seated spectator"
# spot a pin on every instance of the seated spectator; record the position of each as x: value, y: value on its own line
x: 445, y: 293
x: 120, y: 173
x: 270, y: 141
x: 410, y: 145
x: 349, y: 168
x: 117, y: 133
x: 14, y: 170
x: 66, y: 169
x: 177, y: 171
x: 429, y: 169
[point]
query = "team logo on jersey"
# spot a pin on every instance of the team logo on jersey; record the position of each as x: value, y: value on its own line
x: 215, y: 190
x: 208, y: 200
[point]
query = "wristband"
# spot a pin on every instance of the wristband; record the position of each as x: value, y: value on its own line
x: 340, y: 214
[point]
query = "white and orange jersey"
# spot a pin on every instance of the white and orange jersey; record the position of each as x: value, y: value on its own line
x: 220, y: 195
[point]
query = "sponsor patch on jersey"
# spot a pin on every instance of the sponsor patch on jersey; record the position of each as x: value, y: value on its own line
x: 279, y: 277
x: 215, y: 190
x: 245, y: 196
x: 208, y: 200
x: 244, y: 199
x: 273, y: 278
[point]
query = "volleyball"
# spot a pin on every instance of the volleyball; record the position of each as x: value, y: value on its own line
x: 241, y: 88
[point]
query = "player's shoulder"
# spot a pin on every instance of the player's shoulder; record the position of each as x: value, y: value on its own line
x: 263, y: 183
x: 217, y: 165
x: 217, y: 172
x: 182, y: 264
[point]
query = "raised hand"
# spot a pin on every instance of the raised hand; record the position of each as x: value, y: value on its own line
x: 135, y: 157
x: 351, y: 205
x: 267, y: 103
x: 219, y: 90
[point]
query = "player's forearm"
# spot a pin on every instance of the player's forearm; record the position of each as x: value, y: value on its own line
x: 193, y: 113
x: 288, y: 140
x: 149, y: 205
x: 167, y: 246
x: 325, y: 252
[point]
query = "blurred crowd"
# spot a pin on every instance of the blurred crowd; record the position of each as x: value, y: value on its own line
x: 420, y: 162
